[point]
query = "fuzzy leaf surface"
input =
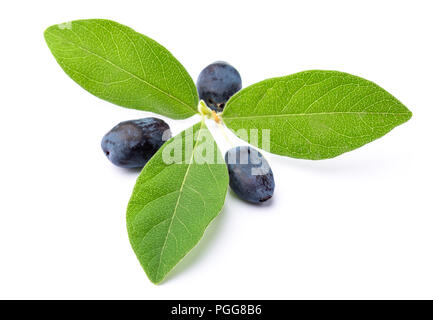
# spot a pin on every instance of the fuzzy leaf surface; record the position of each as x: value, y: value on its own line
x: 122, y: 66
x: 172, y: 204
x: 314, y: 114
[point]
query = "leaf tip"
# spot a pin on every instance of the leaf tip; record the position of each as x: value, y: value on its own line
x: 410, y: 114
x: 156, y: 278
x: 156, y: 282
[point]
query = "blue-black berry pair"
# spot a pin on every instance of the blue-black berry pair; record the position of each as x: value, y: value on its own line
x: 250, y: 176
x: 132, y: 143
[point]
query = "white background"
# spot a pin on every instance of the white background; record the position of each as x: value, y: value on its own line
x: 357, y: 226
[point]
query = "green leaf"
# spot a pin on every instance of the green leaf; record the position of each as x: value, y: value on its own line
x: 172, y: 204
x: 314, y: 114
x: 122, y: 66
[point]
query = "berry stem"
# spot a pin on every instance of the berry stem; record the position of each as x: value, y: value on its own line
x: 221, y: 127
x: 205, y: 112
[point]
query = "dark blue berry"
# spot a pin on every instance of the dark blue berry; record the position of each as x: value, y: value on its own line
x: 132, y: 143
x: 251, y: 178
x: 217, y: 83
